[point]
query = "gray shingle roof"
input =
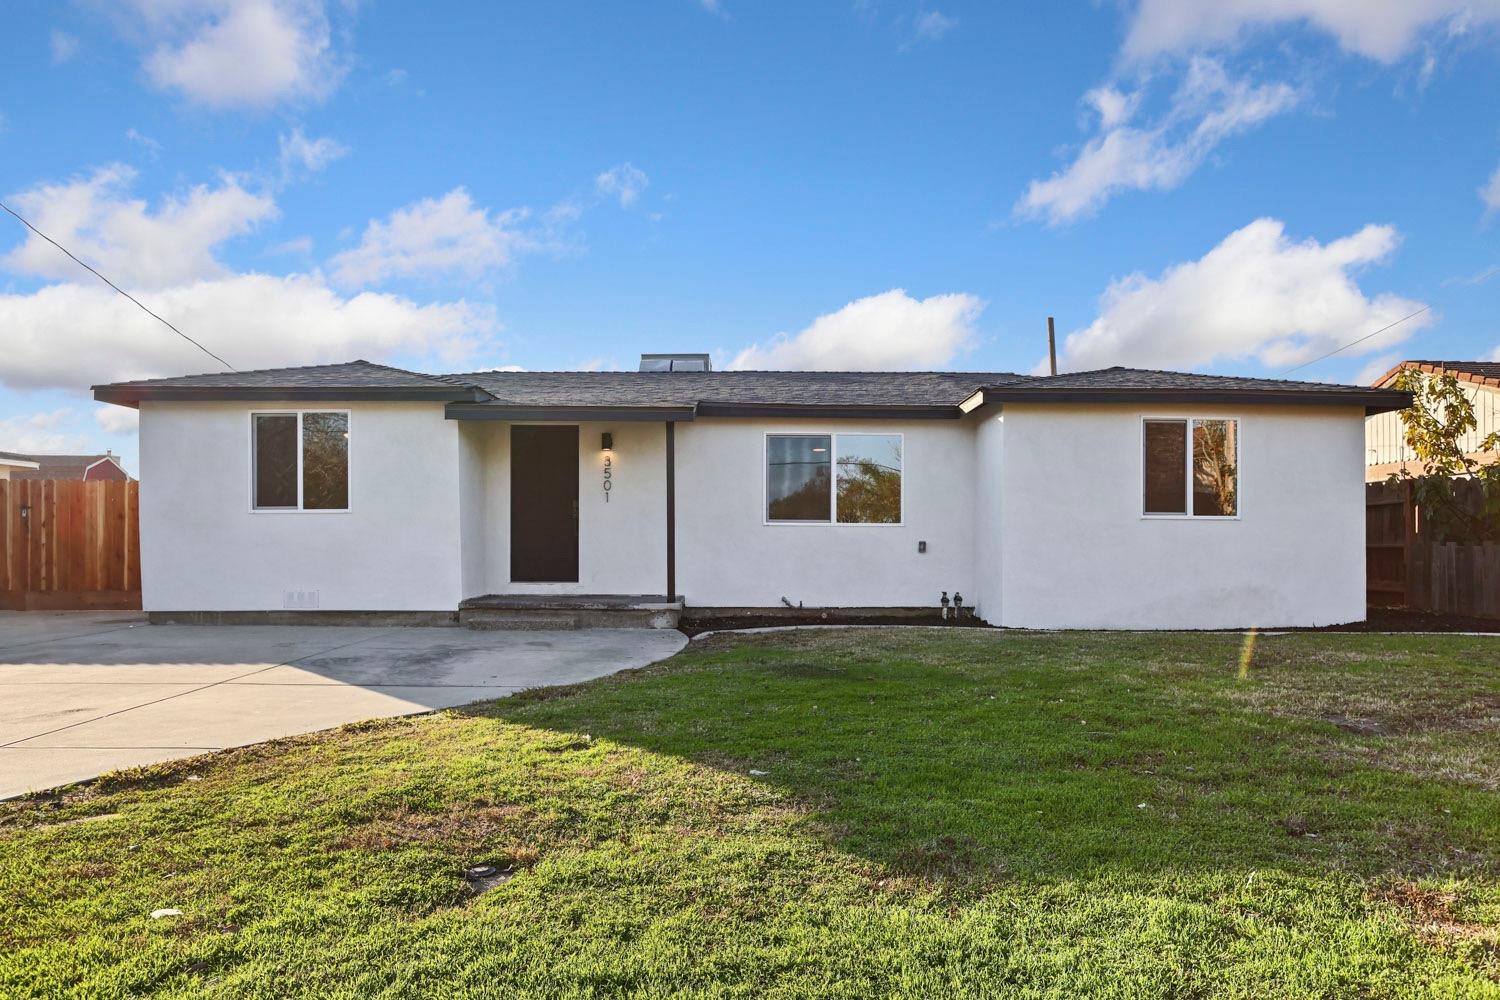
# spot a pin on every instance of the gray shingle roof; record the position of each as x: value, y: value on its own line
x: 349, y: 374
x: 739, y: 387
x: 350, y: 380
x: 1122, y: 385
x: 496, y: 393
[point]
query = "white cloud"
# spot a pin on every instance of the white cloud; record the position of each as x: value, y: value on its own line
x: 64, y: 46
x: 887, y: 332
x: 96, y: 219
x: 70, y: 336
x: 237, y: 53
x: 298, y: 152
x: 147, y: 143
x: 1380, y: 29
x: 1257, y: 295
x: 625, y: 182
x: 1376, y: 367
x: 932, y: 25
x: 40, y: 434
x: 117, y: 419
x: 1490, y: 192
x: 1207, y: 107
x: 433, y: 236
x: 301, y: 246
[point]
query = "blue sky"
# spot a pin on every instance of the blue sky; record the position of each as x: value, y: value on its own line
x: 1232, y: 187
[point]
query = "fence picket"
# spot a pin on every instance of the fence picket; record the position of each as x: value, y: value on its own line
x: 76, y: 547
x: 1445, y: 577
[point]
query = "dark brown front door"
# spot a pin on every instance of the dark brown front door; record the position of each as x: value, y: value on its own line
x: 544, y: 504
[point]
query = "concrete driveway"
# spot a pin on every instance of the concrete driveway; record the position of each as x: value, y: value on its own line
x: 85, y: 693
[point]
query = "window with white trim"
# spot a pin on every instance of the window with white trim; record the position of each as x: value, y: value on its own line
x: 1190, y: 467
x: 827, y: 478
x: 300, y: 460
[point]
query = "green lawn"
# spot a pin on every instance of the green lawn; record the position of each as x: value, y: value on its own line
x: 842, y: 814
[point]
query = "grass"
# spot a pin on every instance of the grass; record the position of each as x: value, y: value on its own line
x: 830, y: 814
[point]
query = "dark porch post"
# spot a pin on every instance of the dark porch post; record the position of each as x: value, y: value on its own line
x: 671, y: 511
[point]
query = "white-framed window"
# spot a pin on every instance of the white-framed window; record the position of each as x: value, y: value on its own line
x: 1190, y: 467
x: 845, y: 478
x: 299, y: 460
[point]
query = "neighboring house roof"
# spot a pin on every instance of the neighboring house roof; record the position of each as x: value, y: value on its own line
x: 1478, y: 372
x: 88, y: 467
x: 16, y: 460
x: 686, y: 395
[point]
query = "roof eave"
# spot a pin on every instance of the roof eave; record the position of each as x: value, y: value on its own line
x: 512, y: 412
x: 128, y: 395
x: 831, y: 411
x: 1373, y: 400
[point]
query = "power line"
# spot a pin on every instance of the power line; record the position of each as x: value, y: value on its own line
x: 117, y: 288
x: 1351, y: 343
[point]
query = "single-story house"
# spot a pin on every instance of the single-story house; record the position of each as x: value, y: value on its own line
x: 12, y: 462
x: 1116, y: 498
x: 1386, y: 451
x: 89, y: 468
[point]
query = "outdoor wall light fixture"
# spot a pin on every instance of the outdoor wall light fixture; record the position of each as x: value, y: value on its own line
x: 606, y: 441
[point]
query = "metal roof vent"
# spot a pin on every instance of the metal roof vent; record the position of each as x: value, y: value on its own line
x: 676, y: 363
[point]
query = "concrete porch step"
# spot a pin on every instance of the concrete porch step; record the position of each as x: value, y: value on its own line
x: 559, y: 611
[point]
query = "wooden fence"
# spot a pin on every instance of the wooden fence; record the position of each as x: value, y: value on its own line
x: 68, y: 544
x: 1406, y: 567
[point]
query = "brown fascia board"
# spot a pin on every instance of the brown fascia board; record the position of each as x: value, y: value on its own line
x: 830, y: 411
x: 500, y: 411
x: 127, y: 395
x: 1373, y: 400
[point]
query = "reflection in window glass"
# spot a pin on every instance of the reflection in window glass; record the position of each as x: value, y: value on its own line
x: 869, y: 478
x: 325, y: 461
x: 1166, y: 467
x: 799, y: 477
x: 1215, y: 468
x: 275, y: 460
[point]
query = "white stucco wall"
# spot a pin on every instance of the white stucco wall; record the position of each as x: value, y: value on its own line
x: 203, y: 549
x: 989, y: 459
x: 473, y: 507
x: 622, y: 541
x: 727, y: 556
x: 1079, y: 554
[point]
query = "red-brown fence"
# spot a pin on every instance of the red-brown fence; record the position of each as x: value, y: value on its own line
x: 68, y: 544
x: 1406, y: 567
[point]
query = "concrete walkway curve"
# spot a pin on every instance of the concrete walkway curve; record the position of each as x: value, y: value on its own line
x: 82, y: 693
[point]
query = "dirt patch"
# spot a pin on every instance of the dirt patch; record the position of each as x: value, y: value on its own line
x: 462, y: 830
x: 1430, y: 913
x: 697, y: 626
x: 1402, y: 620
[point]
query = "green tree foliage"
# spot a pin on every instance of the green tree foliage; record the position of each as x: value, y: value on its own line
x: 869, y: 493
x: 1441, y: 414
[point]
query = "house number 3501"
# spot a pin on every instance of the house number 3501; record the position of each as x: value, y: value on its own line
x: 609, y: 475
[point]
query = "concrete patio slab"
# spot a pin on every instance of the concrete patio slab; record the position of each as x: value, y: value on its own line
x: 81, y: 694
